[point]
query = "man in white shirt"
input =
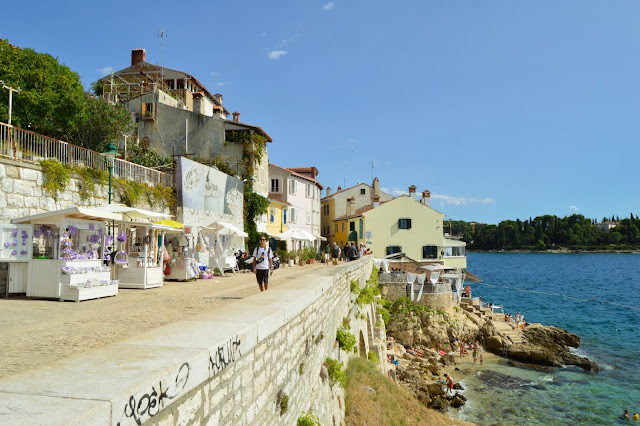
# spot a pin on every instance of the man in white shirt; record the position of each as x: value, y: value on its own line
x: 262, y: 263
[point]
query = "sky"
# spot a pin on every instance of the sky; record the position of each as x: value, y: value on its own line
x: 501, y: 109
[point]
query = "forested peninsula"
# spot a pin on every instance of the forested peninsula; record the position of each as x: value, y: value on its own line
x: 548, y: 232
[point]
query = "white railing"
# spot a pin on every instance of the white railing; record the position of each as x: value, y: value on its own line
x: 400, y: 278
x: 23, y: 145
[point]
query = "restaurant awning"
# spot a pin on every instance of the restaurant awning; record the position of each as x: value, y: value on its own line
x: 468, y: 276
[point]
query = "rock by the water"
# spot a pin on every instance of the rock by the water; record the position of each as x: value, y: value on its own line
x: 457, y: 386
x: 457, y: 401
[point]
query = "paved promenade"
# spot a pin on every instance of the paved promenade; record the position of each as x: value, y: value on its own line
x: 34, y: 333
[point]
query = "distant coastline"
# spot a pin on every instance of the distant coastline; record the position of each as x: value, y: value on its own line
x: 559, y: 251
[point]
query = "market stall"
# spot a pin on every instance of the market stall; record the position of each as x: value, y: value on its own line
x: 137, y: 245
x: 16, y: 249
x: 181, y: 264
x: 222, y: 241
x: 66, y: 261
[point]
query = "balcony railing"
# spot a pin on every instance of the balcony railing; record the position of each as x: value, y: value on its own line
x: 30, y: 147
x: 397, y: 278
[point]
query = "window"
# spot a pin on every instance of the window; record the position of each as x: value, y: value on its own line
x: 275, y: 185
x: 284, y: 216
x: 292, y: 215
x: 361, y: 228
x: 404, y: 223
x: 393, y: 249
x: 342, y: 227
x: 309, y: 190
x: 454, y: 251
x: 292, y: 188
x: 336, y: 229
x: 429, y: 252
x: 352, y: 226
x: 272, y: 215
x: 308, y: 217
x: 325, y: 210
x: 363, y: 191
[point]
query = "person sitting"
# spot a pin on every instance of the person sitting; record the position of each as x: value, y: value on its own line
x: 466, y: 292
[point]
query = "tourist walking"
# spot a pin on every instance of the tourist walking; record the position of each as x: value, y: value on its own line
x: 327, y: 251
x: 335, y: 253
x: 262, y: 263
x: 352, y: 252
x: 345, y: 252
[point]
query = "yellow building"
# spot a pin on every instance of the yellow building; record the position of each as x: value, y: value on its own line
x: 406, y: 225
x: 276, y: 219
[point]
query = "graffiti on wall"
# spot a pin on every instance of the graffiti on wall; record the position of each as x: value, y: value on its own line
x: 224, y: 356
x: 150, y: 403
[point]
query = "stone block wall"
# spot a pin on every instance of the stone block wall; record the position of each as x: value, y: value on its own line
x: 22, y: 194
x: 287, y: 362
x: 435, y: 301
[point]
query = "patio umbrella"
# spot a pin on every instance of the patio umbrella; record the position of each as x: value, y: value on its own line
x: 171, y: 223
x: 435, y: 267
x: 297, y: 234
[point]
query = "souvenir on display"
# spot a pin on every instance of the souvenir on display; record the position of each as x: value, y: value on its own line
x: 121, y: 258
x: 122, y: 237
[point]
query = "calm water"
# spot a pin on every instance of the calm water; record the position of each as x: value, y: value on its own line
x: 609, y: 327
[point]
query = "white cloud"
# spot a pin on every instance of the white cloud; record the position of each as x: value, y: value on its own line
x: 223, y: 83
x: 329, y: 6
x: 574, y: 208
x: 263, y: 34
x: 105, y: 71
x: 461, y: 201
x: 213, y: 73
x: 275, y: 54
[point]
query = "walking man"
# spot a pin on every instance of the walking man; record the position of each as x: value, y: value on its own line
x: 335, y: 253
x: 262, y: 263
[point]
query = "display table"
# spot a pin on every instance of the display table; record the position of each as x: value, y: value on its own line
x: 93, y: 284
x: 185, y: 273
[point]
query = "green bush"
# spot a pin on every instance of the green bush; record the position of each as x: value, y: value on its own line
x: 346, y: 340
x: 56, y: 176
x: 373, y: 357
x: 283, y: 402
x: 308, y: 419
x: 346, y: 324
x: 354, y: 286
x: 336, y: 374
x: 386, y: 316
x: 366, y: 295
x: 301, y: 368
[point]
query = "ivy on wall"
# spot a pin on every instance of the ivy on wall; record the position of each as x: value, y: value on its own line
x: 56, y: 178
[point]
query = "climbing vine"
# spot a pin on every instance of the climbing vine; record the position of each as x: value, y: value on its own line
x: 56, y: 176
x: 131, y: 193
x: 87, y: 180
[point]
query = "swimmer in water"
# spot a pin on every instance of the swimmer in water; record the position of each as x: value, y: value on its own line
x: 636, y: 417
x: 625, y: 415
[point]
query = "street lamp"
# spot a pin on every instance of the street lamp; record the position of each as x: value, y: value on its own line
x: 110, y: 158
x: 11, y: 90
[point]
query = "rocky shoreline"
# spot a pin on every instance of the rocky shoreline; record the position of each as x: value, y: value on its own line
x: 426, y: 347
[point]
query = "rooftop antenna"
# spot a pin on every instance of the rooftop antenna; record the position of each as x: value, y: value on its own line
x: 162, y: 33
x: 371, y: 170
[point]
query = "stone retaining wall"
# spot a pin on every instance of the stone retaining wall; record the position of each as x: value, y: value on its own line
x: 435, y: 301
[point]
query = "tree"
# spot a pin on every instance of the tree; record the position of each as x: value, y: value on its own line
x: 99, y: 123
x: 52, y: 96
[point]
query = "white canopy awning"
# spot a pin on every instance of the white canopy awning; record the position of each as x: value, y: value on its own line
x: 226, y: 228
x: 132, y: 213
x: 436, y: 267
x: 73, y: 212
x: 297, y: 234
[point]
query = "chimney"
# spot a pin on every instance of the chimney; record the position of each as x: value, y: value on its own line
x: 376, y: 201
x: 236, y: 116
x: 376, y: 186
x: 328, y: 191
x: 339, y: 189
x: 426, y: 198
x: 218, y: 98
x: 412, y: 191
x: 137, y: 56
x: 350, y: 203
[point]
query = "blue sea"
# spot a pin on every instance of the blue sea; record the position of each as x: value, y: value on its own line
x: 596, y: 296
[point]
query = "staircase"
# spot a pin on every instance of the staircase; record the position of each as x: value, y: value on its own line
x: 473, y: 307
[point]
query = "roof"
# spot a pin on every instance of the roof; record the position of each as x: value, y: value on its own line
x: 276, y: 197
x: 244, y: 126
x: 342, y: 190
x: 314, y: 172
x: 359, y: 212
x: 141, y: 66
x: 290, y: 171
x: 454, y: 243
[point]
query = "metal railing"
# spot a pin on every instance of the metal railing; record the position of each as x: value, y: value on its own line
x: 30, y: 147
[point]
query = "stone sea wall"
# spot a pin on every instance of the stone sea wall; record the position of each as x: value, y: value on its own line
x: 435, y: 301
x: 247, y: 386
